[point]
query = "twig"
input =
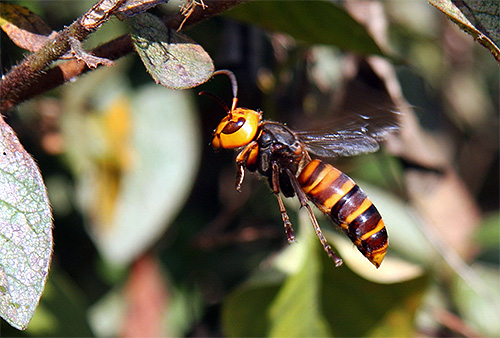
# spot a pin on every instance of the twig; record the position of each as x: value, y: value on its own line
x: 91, y: 61
x: 18, y: 81
x: 26, y: 81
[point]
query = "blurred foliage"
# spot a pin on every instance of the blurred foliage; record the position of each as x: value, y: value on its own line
x: 127, y: 164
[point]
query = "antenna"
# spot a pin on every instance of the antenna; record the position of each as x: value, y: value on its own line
x: 234, y: 84
x: 218, y: 99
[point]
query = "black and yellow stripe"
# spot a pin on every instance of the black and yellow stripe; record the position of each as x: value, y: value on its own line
x: 336, y: 195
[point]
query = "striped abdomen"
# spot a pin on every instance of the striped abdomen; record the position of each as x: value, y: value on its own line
x: 336, y: 195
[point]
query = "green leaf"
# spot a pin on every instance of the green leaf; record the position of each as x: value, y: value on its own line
x: 25, y: 231
x: 173, y: 59
x: 314, y: 22
x: 488, y: 234
x: 405, y: 232
x: 134, y: 158
x: 480, y: 19
x: 244, y: 313
x: 166, y: 148
x: 313, y: 300
x: 296, y: 311
x: 478, y: 298
x: 369, y: 309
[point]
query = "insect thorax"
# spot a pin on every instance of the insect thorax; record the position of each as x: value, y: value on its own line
x: 278, y: 144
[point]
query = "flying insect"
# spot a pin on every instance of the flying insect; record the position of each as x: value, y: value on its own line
x: 283, y: 156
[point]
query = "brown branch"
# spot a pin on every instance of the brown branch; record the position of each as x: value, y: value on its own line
x: 69, y: 70
x: 20, y: 78
x: 36, y: 82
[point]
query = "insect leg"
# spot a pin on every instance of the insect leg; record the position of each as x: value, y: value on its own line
x: 284, y: 215
x: 303, y: 202
x: 241, y: 162
x: 240, y: 176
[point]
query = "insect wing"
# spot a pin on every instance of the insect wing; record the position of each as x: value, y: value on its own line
x: 342, y: 144
x: 350, y: 135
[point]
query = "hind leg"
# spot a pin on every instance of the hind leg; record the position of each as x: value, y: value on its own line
x: 317, y: 229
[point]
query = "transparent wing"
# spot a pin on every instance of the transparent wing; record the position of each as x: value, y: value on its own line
x: 350, y: 135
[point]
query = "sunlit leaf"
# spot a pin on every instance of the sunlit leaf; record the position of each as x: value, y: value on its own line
x: 107, y: 315
x: 296, y: 309
x: 25, y: 231
x: 481, y: 19
x: 313, y: 300
x: 484, y: 14
x: 134, y: 158
x: 392, y: 270
x: 173, y: 59
x: 406, y: 235
x: 24, y: 28
x: 165, y: 146
x: 478, y: 298
x: 314, y: 22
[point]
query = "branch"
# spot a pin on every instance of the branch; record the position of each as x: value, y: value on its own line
x: 24, y: 82
x: 18, y: 81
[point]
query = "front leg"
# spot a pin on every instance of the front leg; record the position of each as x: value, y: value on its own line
x: 245, y: 158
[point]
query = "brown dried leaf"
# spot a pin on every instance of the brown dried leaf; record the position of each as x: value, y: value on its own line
x: 188, y: 8
x: 26, y: 29
x: 90, y: 60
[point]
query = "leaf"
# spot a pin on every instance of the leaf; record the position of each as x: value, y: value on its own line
x: 488, y: 234
x: 354, y: 306
x: 484, y: 15
x: 480, y: 19
x: 25, y: 231
x: 134, y: 158
x: 26, y: 29
x: 478, y: 298
x: 62, y: 311
x: 165, y: 147
x: 173, y: 59
x: 296, y: 310
x: 392, y: 270
x: 244, y: 313
x: 319, y: 299
x: 405, y: 232
x: 314, y: 22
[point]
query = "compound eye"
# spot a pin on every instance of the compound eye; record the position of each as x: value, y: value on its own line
x: 233, y: 126
x: 236, y: 129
